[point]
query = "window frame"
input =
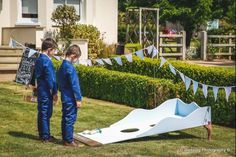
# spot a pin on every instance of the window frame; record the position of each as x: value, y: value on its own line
x: 31, y: 20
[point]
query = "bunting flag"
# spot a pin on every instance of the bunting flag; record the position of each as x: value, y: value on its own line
x: 139, y: 53
x: 163, y: 60
x: 99, y: 61
x: 227, y: 92
x: 108, y: 61
x: 187, y: 82
x: 154, y: 52
x: 172, y: 69
x: 118, y: 60
x: 182, y: 76
x: 129, y: 57
x: 12, y: 43
x: 215, y: 91
x: 150, y: 49
x: 56, y: 57
x: 89, y: 62
x: 204, y: 90
x: 195, y: 86
x: 32, y: 52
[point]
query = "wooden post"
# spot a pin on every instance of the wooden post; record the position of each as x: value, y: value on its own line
x: 209, y: 130
x: 230, y: 42
x: 183, y: 45
x: 204, y: 45
x: 160, y: 45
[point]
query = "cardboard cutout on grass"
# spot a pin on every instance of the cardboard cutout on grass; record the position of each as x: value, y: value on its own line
x: 171, y: 115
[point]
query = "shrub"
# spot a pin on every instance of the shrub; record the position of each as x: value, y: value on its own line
x: 133, y: 46
x: 146, y: 92
x: 150, y: 67
x: 95, y: 45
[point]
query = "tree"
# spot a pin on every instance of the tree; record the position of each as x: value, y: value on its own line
x: 65, y: 18
x: 190, y: 13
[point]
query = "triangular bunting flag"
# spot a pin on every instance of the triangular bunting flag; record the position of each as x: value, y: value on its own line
x: 154, y: 52
x: 100, y: 61
x: 227, y: 92
x: 89, y: 62
x: 172, y: 69
x: 215, y: 91
x: 150, y: 49
x: 163, y: 60
x: 77, y: 62
x: 118, y: 60
x: 108, y: 61
x: 129, y: 57
x: 187, y: 82
x: 12, y: 43
x: 195, y: 86
x: 139, y: 53
x: 32, y: 52
x: 56, y: 57
x: 204, y: 90
x: 182, y: 76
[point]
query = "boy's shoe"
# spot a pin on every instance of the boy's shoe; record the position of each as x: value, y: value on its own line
x: 50, y: 139
x: 72, y: 144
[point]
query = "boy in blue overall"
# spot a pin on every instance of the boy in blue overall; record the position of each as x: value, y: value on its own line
x: 46, y: 88
x: 70, y: 94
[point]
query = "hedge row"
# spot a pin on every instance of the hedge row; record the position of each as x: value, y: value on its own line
x: 146, y: 92
x: 150, y: 67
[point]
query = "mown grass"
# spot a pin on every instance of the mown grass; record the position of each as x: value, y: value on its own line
x: 18, y: 132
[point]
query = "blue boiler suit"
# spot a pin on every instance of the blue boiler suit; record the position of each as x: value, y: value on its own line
x: 46, y: 88
x: 70, y: 93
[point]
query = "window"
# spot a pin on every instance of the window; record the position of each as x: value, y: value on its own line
x: 75, y: 3
x: 27, y: 12
x: 29, y: 8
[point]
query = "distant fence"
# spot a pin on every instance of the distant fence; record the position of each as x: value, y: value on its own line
x: 217, y: 45
x: 175, y: 43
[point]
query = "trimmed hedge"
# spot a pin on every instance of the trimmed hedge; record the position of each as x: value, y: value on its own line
x: 150, y: 67
x: 131, y: 89
x: 146, y: 92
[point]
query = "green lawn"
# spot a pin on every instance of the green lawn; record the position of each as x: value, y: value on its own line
x: 18, y: 132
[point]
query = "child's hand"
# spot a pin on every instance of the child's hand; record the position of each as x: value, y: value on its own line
x: 78, y: 104
x: 55, y: 97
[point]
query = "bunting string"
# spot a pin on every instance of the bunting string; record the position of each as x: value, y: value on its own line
x: 152, y: 51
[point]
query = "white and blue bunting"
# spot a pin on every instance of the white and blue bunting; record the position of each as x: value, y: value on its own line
x: 129, y: 57
x: 118, y: 60
x: 108, y: 61
x: 140, y: 53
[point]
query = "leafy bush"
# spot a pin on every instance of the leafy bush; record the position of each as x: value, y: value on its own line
x: 150, y: 67
x: 95, y: 45
x: 133, y: 46
x: 146, y: 92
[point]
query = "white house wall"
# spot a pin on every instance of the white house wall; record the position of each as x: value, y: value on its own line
x: 101, y: 13
x: 104, y: 15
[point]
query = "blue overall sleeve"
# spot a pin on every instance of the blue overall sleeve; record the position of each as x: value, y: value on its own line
x: 74, y: 81
x: 50, y: 78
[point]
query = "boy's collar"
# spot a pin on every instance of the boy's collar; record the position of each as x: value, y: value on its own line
x: 47, y: 55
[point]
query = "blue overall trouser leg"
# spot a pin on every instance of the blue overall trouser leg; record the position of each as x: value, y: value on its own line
x: 69, y: 115
x: 45, y: 108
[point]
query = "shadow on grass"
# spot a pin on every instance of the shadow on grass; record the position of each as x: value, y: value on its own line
x: 29, y: 136
x: 177, y: 135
